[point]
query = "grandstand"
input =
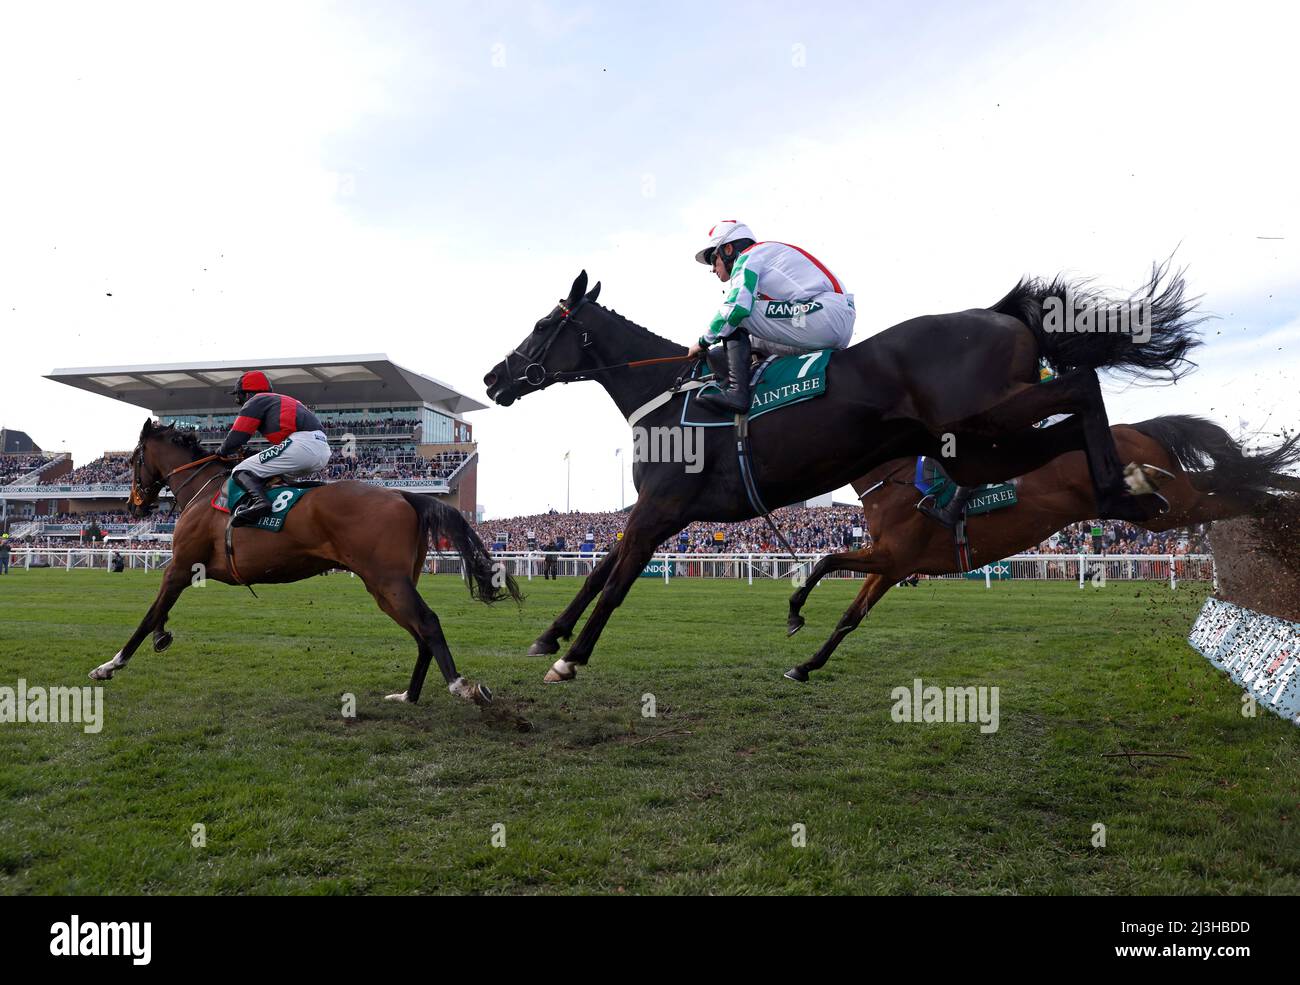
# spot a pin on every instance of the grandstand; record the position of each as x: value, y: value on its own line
x: 388, y: 426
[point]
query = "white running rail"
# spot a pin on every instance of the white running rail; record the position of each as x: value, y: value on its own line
x: 1081, y: 569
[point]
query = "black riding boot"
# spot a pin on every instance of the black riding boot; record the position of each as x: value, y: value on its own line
x: 717, y: 360
x: 734, y: 396
x: 255, y: 504
x: 950, y: 514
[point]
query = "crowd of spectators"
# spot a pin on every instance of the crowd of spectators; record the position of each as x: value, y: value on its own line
x: 372, y: 463
x: 377, y: 465
x: 16, y: 466
x: 64, y: 543
x: 85, y: 519
x: 1124, y: 538
x: 809, y: 530
x: 405, y: 427
x: 110, y: 467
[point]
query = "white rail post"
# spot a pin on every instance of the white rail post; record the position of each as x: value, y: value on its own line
x: 749, y: 559
x: 1082, y: 561
x: 665, y: 569
x: 1173, y: 582
x: 988, y: 581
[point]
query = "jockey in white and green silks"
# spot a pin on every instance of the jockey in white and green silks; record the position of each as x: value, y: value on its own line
x: 781, y: 295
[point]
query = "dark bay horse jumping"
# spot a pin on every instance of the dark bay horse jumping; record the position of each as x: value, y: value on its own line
x: 1214, y: 479
x: 969, y: 379
x: 379, y: 534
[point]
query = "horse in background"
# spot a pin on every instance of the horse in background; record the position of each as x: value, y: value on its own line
x: 1214, y: 479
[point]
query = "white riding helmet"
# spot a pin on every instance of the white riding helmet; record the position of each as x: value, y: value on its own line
x: 726, y: 231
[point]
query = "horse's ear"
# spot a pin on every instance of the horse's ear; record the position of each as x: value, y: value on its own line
x: 147, y: 429
x: 594, y: 292
x: 578, y: 289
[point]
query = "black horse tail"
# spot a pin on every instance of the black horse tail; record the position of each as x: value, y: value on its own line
x: 1216, y: 463
x: 1118, y: 337
x: 487, y: 579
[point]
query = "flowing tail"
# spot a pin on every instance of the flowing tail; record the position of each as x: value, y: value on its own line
x: 1118, y: 339
x: 488, y: 580
x: 1216, y: 463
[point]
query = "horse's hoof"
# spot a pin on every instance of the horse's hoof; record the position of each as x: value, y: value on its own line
x: 543, y: 648
x: 560, y: 672
x: 1137, y: 481
x: 797, y: 674
x: 104, y: 672
x: 395, y: 697
x: 1156, y: 475
x: 793, y: 625
x: 161, y: 642
x: 480, y: 694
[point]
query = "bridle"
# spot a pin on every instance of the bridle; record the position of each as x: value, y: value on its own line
x: 536, y: 374
x: 137, y: 499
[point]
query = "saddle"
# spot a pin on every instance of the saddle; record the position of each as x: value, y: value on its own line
x: 934, y: 483
x: 932, y: 480
x: 283, y: 493
x: 775, y: 382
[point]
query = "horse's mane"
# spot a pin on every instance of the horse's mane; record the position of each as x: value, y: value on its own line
x: 639, y: 330
x: 187, y: 438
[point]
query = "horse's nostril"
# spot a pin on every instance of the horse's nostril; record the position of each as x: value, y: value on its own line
x: 490, y: 379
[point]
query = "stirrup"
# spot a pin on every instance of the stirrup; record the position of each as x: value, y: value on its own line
x: 247, y: 514
x: 722, y: 402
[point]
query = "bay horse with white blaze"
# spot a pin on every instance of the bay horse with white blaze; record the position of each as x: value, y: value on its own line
x: 380, y: 535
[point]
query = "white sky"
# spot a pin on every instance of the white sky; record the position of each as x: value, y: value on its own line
x: 426, y: 179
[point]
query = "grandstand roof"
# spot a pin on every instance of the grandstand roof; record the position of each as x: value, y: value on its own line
x: 173, y: 387
x: 16, y: 442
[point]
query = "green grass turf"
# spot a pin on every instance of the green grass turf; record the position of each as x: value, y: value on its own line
x: 238, y: 727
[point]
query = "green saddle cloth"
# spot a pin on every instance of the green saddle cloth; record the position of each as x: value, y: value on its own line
x: 283, y: 499
x: 779, y: 381
x: 932, y: 480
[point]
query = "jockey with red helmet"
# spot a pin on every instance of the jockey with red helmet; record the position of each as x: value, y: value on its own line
x: 298, y: 442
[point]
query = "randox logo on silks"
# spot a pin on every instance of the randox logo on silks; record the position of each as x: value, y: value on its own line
x: 275, y: 451
x: 792, y: 309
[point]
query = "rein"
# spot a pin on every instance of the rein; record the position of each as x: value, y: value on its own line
x: 137, y: 499
x: 176, y: 490
x: 887, y: 480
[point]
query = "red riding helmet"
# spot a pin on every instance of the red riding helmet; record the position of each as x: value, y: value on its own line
x: 252, y: 382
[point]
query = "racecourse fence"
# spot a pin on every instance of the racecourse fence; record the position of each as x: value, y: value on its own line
x: 1079, y: 568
